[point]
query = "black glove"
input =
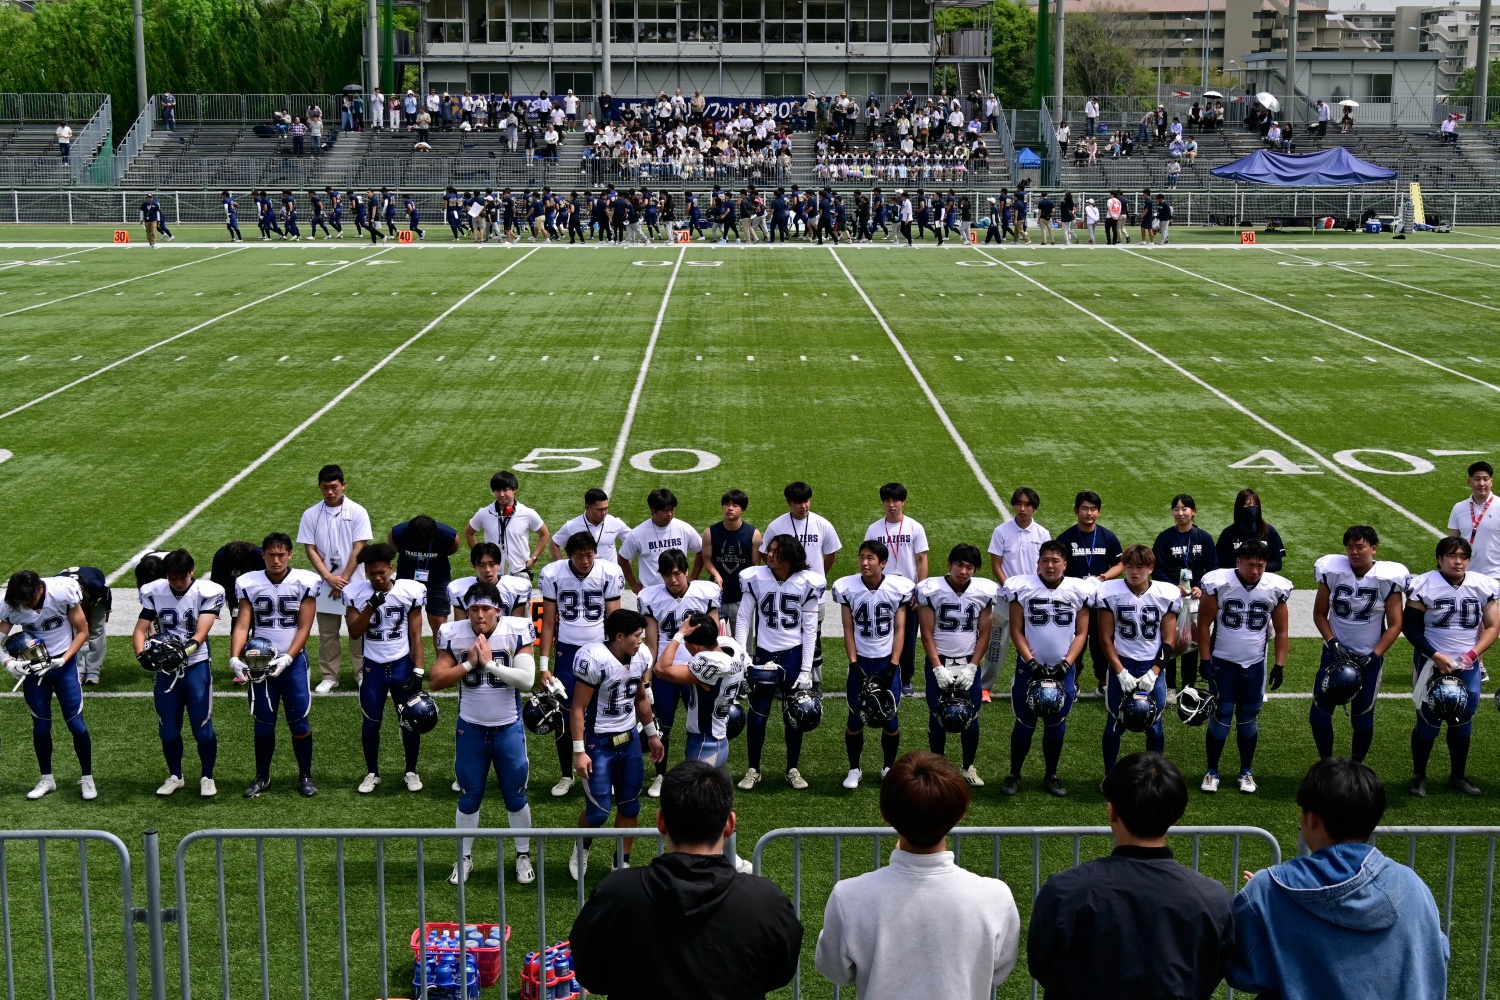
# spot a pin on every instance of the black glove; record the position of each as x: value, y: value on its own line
x: 1278, y: 677
x: 413, y: 682
x: 376, y: 599
x: 1031, y: 665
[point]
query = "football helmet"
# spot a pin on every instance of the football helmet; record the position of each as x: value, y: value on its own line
x: 417, y: 714
x: 1138, y: 712
x: 543, y: 713
x: 764, y: 679
x: 258, y: 654
x: 1046, y: 695
x: 877, y: 702
x: 1340, y: 683
x: 28, y: 648
x: 802, y: 712
x: 1195, y: 706
x: 734, y: 723
x: 1446, y: 698
x: 162, y: 653
x: 955, y: 712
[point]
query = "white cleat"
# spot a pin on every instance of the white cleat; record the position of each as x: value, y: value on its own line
x: 461, y: 869
x: 883, y: 772
x: 563, y: 787
x: 578, y: 862
x: 971, y: 775
x: 1210, y: 783
x: 795, y: 779
x: 326, y: 686
x: 851, y: 782
x: 207, y: 788
x: 1247, y: 783
x: 655, y: 790
x: 456, y: 786
x: 87, y: 789
x: 45, y: 785
x: 413, y: 781
x: 371, y: 782
x: 171, y: 785
x: 525, y: 873
x: 750, y: 780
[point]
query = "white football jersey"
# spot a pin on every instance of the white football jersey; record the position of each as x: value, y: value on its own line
x: 386, y: 640
x: 905, y: 539
x: 645, y: 543
x: 606, y: 536
x: 670, y: 612
x: 779, y: 605
x: 615, y: 684
x: 515, y: 592
x: 1242, y: 628
x: 1138, y: 617
x: 274, y: 606
x: 956, y: 616
x: 177, y: 615
x: 1051, y: 613
x: 482, y: 699
x: 1356, y: 604
x: 1455, y: 615
x: 580, y: 602
x: 49, y: 623
x: 723, y: 670
x: 873, y: 611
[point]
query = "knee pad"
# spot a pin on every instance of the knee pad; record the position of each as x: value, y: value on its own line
x: 470, y: 801
x: 265, y: 728
x: 299, y: 728
x: 1320, y: 716
x: 1462, y: 731
x: 760, y: 711
x: 629, y: 808
x: 1364, y: 722
x: 40, y: 726
x: 594, y: 814
x: 1056, y: 731
x: 205, y: 733
x: 164, y: 731
x: 892, y: 726
x: 854, y: 726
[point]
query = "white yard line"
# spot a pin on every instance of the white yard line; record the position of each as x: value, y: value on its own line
x: 1481, y: 263
x: 178, y: 336
x: 1388, y: 281
x: 1326, y: 463
x: 758, y: 248
x: 640, y: 380
x: 1325, y: 322
x: 59, y: 256
x: 911, y: 366
x: 296, y: 432
x: 116, y: 284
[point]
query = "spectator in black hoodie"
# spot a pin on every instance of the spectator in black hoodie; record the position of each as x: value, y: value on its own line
x: 1250, y: 522
x: 687, y: 925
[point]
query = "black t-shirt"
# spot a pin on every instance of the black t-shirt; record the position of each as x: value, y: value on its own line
x: 733, y: 551
x: 1090, y: 554
x: 433, y: 560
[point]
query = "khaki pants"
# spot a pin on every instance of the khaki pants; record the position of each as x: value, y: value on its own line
x: 1045, y: 225
x: 331, y: 650
x: 747, y: 230
x: 151, y: 233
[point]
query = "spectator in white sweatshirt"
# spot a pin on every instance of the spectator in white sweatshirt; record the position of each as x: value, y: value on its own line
x: 921, y: 926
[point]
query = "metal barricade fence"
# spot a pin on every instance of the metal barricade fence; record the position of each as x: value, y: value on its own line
x: 1051, y: 849
x: 47, y: 899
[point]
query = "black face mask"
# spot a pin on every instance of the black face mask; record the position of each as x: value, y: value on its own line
x: 1248, y: 520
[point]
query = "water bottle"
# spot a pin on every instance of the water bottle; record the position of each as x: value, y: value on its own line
x: 1185, y: 579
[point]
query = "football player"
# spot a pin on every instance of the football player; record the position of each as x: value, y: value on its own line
x: 956, y: 612
x: 1049, y: 626
x: 578, y: 594
x: 873, y: 607
x: 780, y: 604
x: 596, y: 519
x: 183, y: 608
x: 1357, y: 611
x: 387, y: 614
x: 1138, y: 630
x: 490, y: 656
x: 1451, y: 619
x: 906, y: 540
x: 514, y: 591
x: 50, y: 610
x: 646, y: 542
x: 819, y: 540
x: 1241, y: 610
x: 609, y: 699
x: 278, y: 604
x: 713, y: 671
x: 667, y: 606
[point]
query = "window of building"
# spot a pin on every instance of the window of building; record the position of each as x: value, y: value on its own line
x: 910, y: 21
x: 573, y: 20
x: 862, y: 85
x: 783, y: 85
x: 621, y: 20
x: 445, y: 21
x: 658, y: 20
x: 867, y: 20
x: 825, y: 20
x: 490, y: 83
x: 742, y: 21
x: 700, y: 20
x: 496, y: 13
x: 581, y: 84
x: 784, y: 20
x: 529, y: 20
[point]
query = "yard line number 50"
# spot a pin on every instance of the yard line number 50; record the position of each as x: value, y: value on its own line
x: 665, y: 461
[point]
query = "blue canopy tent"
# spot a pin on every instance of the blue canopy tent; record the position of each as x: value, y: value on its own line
x: 1027, y: 158
x: 1333, y: 167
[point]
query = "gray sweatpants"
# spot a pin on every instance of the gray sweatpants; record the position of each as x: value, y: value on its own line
x: 994, y: 656
x: 91, y: 657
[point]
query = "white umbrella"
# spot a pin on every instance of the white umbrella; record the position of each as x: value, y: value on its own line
x: 1268, y: 101
x: 1214, y: 94
x: 1348, y: 104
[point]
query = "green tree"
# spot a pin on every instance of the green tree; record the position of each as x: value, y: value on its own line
x: 1100, y: 58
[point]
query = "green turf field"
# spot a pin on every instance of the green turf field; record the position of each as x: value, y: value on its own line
x: 188, y: 395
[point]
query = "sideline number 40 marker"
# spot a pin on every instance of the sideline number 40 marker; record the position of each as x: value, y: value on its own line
x: 405, y: 236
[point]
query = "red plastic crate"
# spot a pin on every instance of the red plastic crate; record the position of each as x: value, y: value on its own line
x: 488, y: 959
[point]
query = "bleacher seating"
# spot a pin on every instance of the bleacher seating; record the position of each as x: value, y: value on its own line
x: 29, y: 155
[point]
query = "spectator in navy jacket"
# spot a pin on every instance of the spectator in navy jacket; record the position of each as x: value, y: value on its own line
x: 1250, y: 522
x: 1184, y: 546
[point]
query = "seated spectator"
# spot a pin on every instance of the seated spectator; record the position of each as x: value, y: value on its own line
x: 1127, y: 145
x: 1116, y: 145
x: 1136, y: 923
x: 1449, y: 128
x: 1177, y: 148
x: 1347, y: 122
x: 1190, y: 150
x: 1273, y: 136
x: 921, y: 926
x: 687, y: 925
x: 1174, y: 171
x: 1345, y: 921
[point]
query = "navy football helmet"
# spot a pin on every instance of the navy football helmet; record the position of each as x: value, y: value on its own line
x: 764, y: 680
x: 802, y: 712
x: 1194, y: 706
x: 1138, y: 712
x: 1341, y: 682
x: 955, y: 712
x: 162, y: 653
x: 258, y: 654
x: 30, y: 650
x: 418, y: 714
x: 877, y: 702
x: 1446, y: 698
x: 1046, y: 695
x: 543, y: 713
x: 734, y: 724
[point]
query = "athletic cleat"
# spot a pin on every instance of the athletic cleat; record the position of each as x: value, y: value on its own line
x: 369, y: 784
x: 1210, y: 783
x: 984, y: 697
x: 90, y: 792
x: 45, y: 785
x: 1461, y: 783
x: 1418, y: 788
x: 413, y: 781
x: 795, y: 779
x: 1247, y: 783
x: 578, y: 862
x: 852, y: 781
x: 257, y: 786
x: 883, y: 772
x: 1053, y: 786
x: 525, y: 873
x: 655, y: 790
x: 750, y: 780
x: 971, y: 775
x: 306, y: 788
x: 1011, y: 785
x: 563, y: 787
x: 206, y: 788
x: 171, y: 785
x: 456, y: 786
x: 461, y: 869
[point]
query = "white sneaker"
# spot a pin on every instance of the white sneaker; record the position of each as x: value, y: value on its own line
x: 369, y: 784
x: 971, y: 775
x: 461, y: 869
x: 1210, y: 783
x: 413, y: 781
x: 525, y: 873
x: 171, y: 785
x: 45, y: 785
x: 1171, y: 697
x: 86, y: 787
x: 1247, y: 783
x: 578, y: 861
x: 655, y: 790
x: 207, y: 788
x: 850, y: 782
x: 883, y: 772
x: 326, y: 686
x: 750, y: 780
x: 795, y: 779
x: 456, y: 786
x: 742, y: 866
x: 563, y: 787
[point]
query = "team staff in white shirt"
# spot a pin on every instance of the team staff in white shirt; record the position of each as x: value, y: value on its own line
x: 645, y: 543
x: 606, y: 529
x: 906, y: 541
x: 509, y: 525
x: 1013, y: 552
x: 1477, y: 519
x: 820, y: 542
x: 333, y: 533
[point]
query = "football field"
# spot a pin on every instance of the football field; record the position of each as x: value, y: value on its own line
x: 187, y: 396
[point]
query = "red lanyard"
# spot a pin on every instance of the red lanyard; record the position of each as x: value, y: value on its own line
x: 894, y: 545
x: 1474, y: 521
